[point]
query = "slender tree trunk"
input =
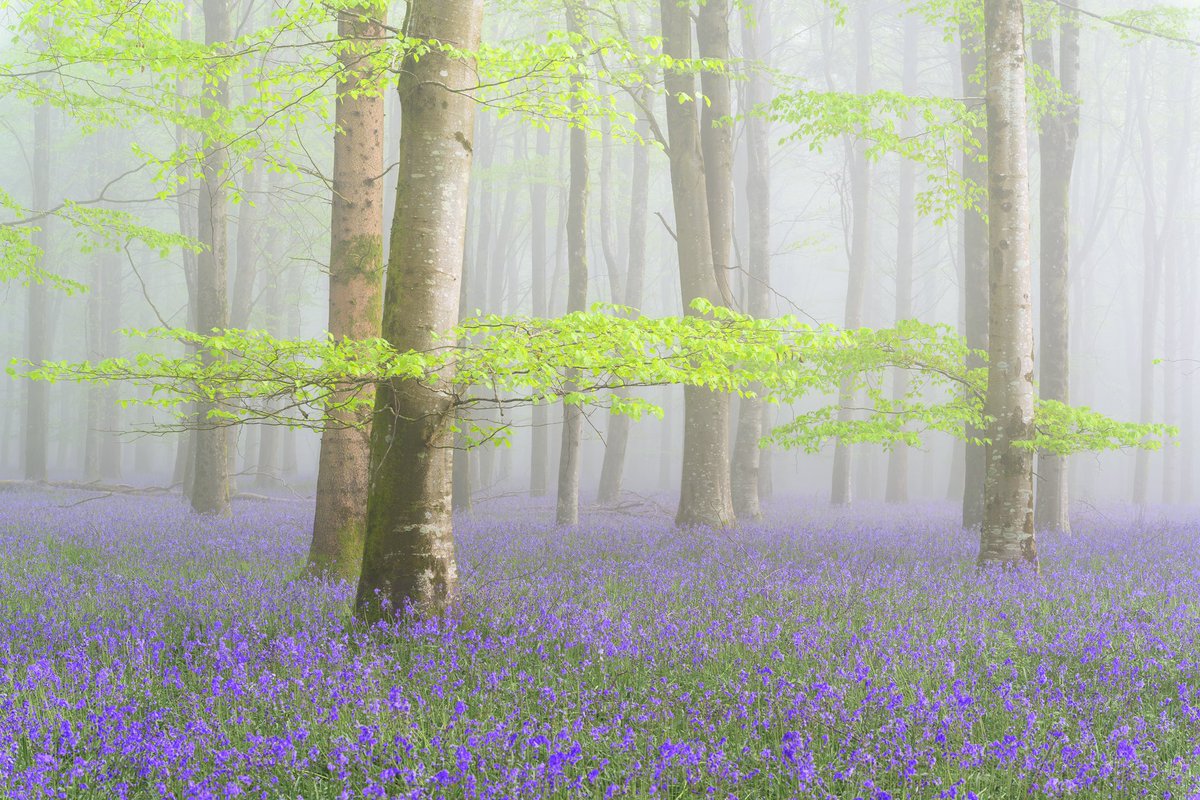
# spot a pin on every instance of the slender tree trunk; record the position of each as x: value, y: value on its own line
x: 409, y: 557
x: 906, y: 223
x: 577, y: 265
x: 747, y: 462
x: 355, y: 291
x: 539, y: 468
x: 210, y: 483
x: 705, y: 495
x: 1059, y: 137
x: 860, y: 251
x: 616, y: 448
x: 36, y: 427
x: 975, y: 274
x: 1008, y: 533
x: 1152, y: 258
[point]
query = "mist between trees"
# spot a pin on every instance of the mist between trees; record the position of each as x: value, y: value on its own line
x: 411, y: 258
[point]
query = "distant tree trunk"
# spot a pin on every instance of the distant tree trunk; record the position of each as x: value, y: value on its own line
x: 1152, y: 259
x: 409, y: 557
x: 36, y: 427
x: 615, y: 449
x: 577, y: 266
x: 539, y: 468
x: 210, y: 482
x: 1059, y: 137
x: 906, y: 223
x: 185, y: 460
x: 355, y: 291
x: 111, y: 293
x: 747, y: 464
x: 860, y: 250
x: 1008, y: 533
x: 975, y: 276
x: 705, y: 496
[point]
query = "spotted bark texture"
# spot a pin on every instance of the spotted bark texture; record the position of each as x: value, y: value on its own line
x: 409, y: 558
x: 355, y: 290
x: 1008, y: 535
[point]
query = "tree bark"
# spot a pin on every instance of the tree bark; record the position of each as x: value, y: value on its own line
x: 612, y: 471
x: 539, y: 467
x: 842, y: 493
x: 210, y: 481
x: 1008, y: 534
x: 747, y: 462
x: 716, y: 139
x: 705, y: 498
x: 975, y: 277
x: 906, y: 222
x: 355, y: 289
x: 569, y: 465
x: 1059, y: 138
x: 36, y: 427
x: 409, y: 559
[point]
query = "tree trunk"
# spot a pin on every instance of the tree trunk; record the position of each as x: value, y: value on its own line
x: 1008, y: 535
x: 577, y: 270
x: 975, y: 278
x: 616, y: 448
x: 705, y: 497
x: 355, y: 291
x: 36, y: 427
x: 897, y: 472
x: 539, y: 468
x: 747, y: 462
x: 210, y: 483
x: 1152, y: 258
x: 1059, y: 137
x: 842, y: 493
x: 716, y: 139
x: 409, y: 558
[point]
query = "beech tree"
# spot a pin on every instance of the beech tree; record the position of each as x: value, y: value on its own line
x: 747, y: 465
x: 355, y: 284
x: 1059, y: 139
x: 409, y: 553
x: 1008, y: 532
x: 705, y: 494
x: 569, y: 466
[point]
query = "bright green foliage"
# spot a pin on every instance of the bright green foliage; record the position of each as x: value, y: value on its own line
x: 581, y: 358
x: 947, y: 129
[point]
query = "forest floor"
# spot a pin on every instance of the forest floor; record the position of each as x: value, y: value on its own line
x: 148, y: 653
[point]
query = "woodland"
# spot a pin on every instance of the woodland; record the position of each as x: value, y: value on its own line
x: 598, y: 398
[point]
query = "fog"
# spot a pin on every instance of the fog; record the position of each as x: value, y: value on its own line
x: 1133, y: 249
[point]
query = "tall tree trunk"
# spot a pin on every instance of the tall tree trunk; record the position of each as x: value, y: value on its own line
x: 577, y: 265
x: 539, y: 468
x: 897, y: 473
x: 1152, y: 258
x: 1059, y: 137
x: 612, y: 471
x: 860, y: 250
x: 975, y: 276
x: 210, y: 483
x: 705, y: 497
x: 355, y: 290
x: 36, y: 427
x: 409, y: 557
x: 1008, y: 535
x: 747, y: 462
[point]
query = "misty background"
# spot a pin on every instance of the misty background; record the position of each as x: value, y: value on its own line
x: 1133, y: 289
